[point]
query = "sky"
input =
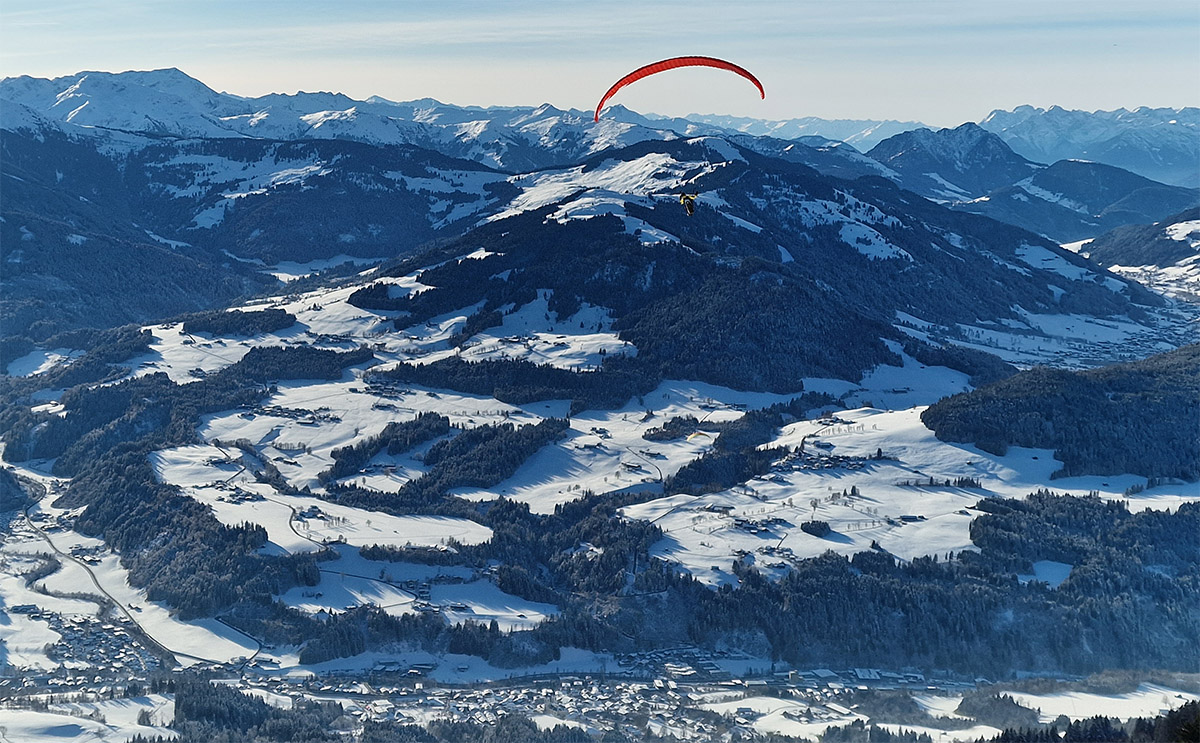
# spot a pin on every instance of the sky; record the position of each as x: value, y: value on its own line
x: 941, y: 62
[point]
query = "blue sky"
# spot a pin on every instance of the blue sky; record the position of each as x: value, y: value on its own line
x: 938, y: 61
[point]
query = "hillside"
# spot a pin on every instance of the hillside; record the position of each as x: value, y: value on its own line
x: 74, y: 256
x: 1073, y: 200
x: 1137, y: 417
x: 1165, y: 243
x: 1164, y: 256
x: 952, y: 164
x: 826, y: 254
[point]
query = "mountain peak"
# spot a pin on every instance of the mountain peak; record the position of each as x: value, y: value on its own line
x: 952, y: 164
x: 1158, y: 143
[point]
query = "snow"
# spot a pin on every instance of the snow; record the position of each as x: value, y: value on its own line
x: 1148, y: 700
x: 940, y: 706
x: 950, y: 191
x: 278, y: 701
x: 652, y: 173
x: 535, y: 333
x: 27, y: 726
x: 904, y: 317
x: 458, y: 182
x: 549, y: 722
x: 912, y: 383
x: 1185, y: 231
x: 702, y: 534
x: 1042, y: 258
x: 39, y: 361
x: 215, y: 475
x: 773, y: 715
x: 870, y: 243
x: 351, y: 580
x: 122, y: 714
x: 291, y: 270
x: 169, y: 243
x: 485, y: 602
x: 1054, y: 198
x: 22, y: 639
x: 973, y: 733
x: 605, y: 189
x: 178, y: 353
x: 618, y: 457
x: 301, y: 446
x: 337, y: 592
x: 722, y: 148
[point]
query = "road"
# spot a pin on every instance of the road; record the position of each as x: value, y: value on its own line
x: 147, y: 639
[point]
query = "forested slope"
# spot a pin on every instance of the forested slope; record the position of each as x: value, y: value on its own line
x: 1140, y: 418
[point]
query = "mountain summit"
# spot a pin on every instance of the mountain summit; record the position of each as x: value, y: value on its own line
x: 952, y: 164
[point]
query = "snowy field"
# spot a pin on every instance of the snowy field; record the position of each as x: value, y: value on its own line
x: 792, y: 717
x: 70, y: 725
x: 461, y: 595
x: 1149, y: 700
x: 296, y: 523
x: 36, y: 362
x: 895, y: 506
x: 604, y: 450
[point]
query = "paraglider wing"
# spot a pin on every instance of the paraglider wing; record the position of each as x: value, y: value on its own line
x: 670, y: 64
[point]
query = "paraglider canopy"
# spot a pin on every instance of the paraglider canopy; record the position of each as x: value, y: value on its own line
x: 670, y: 64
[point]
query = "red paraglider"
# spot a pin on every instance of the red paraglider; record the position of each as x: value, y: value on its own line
x: 670, y: 64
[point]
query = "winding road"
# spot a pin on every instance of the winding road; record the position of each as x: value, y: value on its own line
x: 146, y: 638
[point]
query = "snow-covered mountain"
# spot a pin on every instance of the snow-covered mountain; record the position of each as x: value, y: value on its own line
x: 952, y: 164
x: 1073, y: 200
x: 1159, y: 143
x: 515, y: 139
x: 158, y: 102
x: 1164, y: 255
x: 975, y: 170
x: 317, y: 176
x: 863, y: 134
x: 169, y: 103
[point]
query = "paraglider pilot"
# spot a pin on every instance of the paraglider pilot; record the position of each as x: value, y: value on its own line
x: 689, y: 202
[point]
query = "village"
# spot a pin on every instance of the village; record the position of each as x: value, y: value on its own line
x: 685, y: 692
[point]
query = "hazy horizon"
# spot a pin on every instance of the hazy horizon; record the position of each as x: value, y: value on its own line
x: 938, y: 62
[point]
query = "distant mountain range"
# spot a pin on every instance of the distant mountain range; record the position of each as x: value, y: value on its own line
x: 975, y: 170
x: 863, y: 134
x: 1159, y: 143
x: 155, y: 163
